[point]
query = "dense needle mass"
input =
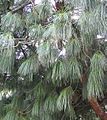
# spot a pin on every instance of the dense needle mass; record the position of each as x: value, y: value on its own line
x: 53, y: 60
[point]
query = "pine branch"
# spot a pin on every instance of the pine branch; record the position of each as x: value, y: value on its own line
x: 94, y: 103
x: 97, y: 108
x: 15, y: 9
x: 20, y: 6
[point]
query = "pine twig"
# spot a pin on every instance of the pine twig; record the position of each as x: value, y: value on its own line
x: 20, y: 6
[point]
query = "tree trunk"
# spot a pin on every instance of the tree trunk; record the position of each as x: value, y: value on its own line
x: 97, y: 108
x: 94, y: 103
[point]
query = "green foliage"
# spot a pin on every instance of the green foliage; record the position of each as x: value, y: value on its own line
x: 73, y: 48
x: 31, y: 65
x: 50, y: 31
x: 50, y: 104
x: 46, y: 53
x: 36, y: 31
x: 11, y: 21
x: 7, y: 52
x: 74, y: 70
x: 88, y: 29
x: 11, y: 115
x: 63, y: 101
x: 37, y: 108
x: 96, y: 76
x: 40, y: 90
x: 50, y: 60
x: 59, y: 72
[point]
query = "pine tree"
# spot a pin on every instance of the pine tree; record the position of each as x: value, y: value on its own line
x: 53, y: 60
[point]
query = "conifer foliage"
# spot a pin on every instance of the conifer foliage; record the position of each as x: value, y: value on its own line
x: 53, y: 60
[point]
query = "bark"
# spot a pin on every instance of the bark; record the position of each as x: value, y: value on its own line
x: 94, y: 103
x: 97, y: 108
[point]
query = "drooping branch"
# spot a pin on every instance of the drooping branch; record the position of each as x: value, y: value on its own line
x: 92, y: 100
x: 94, y: 103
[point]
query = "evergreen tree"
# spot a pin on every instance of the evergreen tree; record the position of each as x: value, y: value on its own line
x: 53, y: 60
